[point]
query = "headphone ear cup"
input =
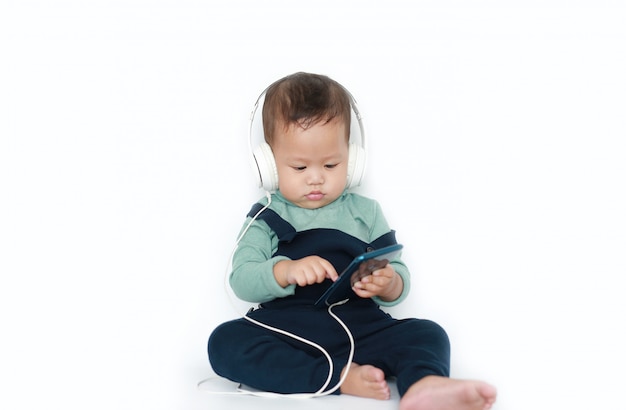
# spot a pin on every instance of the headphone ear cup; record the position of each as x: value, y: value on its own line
x: 266, y: 166
x: 356, y: 165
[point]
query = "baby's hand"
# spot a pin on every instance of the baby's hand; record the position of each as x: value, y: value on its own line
x: 305, y: 271
x: 384, y: 283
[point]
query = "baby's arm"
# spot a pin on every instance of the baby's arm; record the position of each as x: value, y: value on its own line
x: 305, y: 271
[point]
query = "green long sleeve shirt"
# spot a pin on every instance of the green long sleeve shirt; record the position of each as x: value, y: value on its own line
x: 252, y: 277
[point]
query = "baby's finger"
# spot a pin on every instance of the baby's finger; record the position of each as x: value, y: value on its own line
x: 383, y: 272
x: 362, y: 290
x: 330, y: 271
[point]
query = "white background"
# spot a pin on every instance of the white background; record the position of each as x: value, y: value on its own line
x: 496, y: 134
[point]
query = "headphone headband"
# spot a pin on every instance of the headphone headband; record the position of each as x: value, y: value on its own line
x: 353, y: 105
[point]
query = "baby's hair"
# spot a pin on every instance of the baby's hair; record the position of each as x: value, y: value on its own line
x: 304, y: 99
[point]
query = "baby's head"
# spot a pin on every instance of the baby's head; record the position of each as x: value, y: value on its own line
x: 304, y: 99
x: 306, y: 122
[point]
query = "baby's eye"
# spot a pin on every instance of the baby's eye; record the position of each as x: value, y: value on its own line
x: 299, y: 168
x: 330, y: 166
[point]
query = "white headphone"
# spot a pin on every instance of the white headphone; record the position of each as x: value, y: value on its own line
x: 265, y: 165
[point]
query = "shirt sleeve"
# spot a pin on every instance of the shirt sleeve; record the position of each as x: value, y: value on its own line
x: 252, y: 276
x: 380, y: 227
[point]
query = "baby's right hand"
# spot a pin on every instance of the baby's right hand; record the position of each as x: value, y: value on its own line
x: 305, y: 271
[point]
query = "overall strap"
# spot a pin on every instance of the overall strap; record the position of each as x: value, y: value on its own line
x: 283, y: 229
x: 384, y: 240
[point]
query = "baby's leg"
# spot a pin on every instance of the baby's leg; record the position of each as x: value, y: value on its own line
x: 366, y: 381
x: 442, y: 393
x: 246, y: 353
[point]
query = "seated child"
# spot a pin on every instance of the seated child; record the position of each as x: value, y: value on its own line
x: 291, y: 253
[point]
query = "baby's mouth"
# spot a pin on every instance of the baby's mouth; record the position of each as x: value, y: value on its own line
x: 314, y: 196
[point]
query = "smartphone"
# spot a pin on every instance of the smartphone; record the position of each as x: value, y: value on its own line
x: 361, y: 266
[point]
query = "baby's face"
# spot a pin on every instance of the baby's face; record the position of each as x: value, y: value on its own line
x: 312, y: 163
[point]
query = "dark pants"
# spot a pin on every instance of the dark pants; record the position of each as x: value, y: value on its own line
x: 407, y: 349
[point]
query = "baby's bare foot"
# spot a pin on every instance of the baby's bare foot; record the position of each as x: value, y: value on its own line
x: 441, y: 393
x: 366, y: 381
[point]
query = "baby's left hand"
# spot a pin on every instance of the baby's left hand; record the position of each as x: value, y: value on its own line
x: 384, y: 283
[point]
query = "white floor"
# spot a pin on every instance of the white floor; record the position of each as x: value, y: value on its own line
x: 210, y: 395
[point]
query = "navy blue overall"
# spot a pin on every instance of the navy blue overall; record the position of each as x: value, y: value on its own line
x: 243, y: 352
